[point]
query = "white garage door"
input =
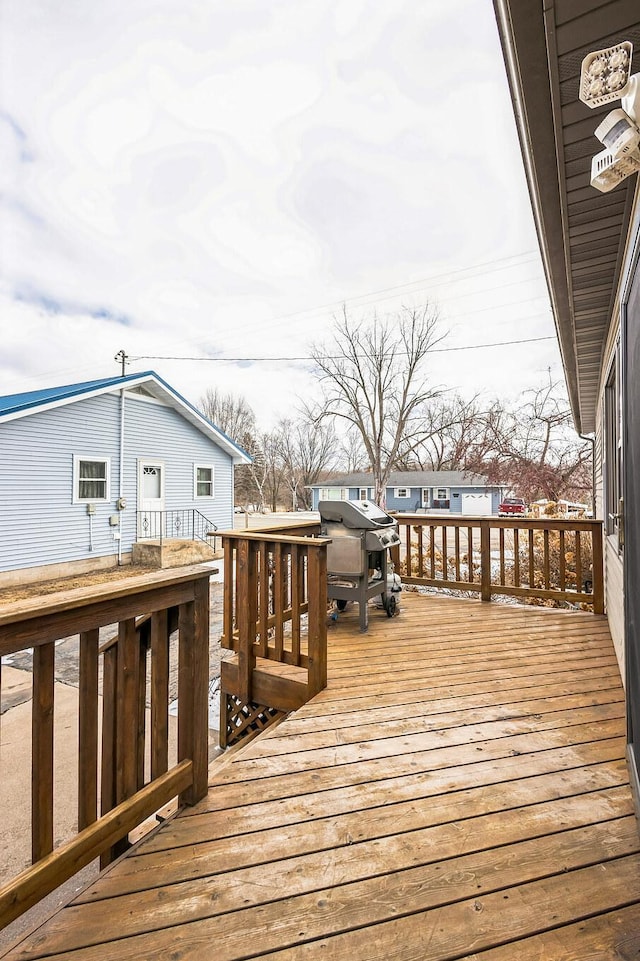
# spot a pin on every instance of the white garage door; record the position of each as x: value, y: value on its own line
x: 476, y: 504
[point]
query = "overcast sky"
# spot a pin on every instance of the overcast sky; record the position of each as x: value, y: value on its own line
x: 208, y: 179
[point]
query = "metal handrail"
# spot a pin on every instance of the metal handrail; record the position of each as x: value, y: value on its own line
x: 188, y: 524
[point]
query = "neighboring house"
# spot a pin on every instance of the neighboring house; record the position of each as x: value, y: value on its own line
x: 85, y: 468
x: 450, y: 491
x: 590, y: 244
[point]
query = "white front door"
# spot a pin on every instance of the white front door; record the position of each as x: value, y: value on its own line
x: 150, y: 498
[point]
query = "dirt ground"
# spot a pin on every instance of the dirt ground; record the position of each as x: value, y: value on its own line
x: 40, y: 588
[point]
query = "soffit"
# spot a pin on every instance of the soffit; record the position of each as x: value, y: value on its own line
x: 581, y: 231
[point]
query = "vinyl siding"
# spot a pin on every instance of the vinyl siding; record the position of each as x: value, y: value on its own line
x: 414, y: 501
x: 613, y: 561
x: 40, y: 523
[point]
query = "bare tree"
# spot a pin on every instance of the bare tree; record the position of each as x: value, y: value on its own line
x: 234, y: 416
x: 548, y: 458
x: 307, y: 449
x: 231, y: 414
x: 373, y: 377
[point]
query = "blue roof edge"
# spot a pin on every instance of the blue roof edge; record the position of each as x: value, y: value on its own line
x: 30, y: 401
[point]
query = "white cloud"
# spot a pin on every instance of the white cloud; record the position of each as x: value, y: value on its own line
x: 189, y: 178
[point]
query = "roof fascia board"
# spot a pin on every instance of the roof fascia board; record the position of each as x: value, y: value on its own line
x: 164, y: 394
x: 521, y: 27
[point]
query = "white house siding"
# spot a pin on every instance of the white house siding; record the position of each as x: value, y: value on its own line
x: 40, y: 523
x: 614, y: 594
x: 156, y: 432
x: 613, y: 561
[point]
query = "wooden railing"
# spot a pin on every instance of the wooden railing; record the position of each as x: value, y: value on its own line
x: 145, y: 608
x: 545, y: 558
x: 275, y: 610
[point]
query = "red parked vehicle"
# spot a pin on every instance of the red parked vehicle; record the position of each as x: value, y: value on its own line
x: 513, y: 505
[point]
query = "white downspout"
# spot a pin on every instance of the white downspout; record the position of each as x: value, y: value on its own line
x: 121, y: 472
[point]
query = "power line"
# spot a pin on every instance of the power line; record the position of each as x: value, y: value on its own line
x: 256, y: 360
x: 487, y: 266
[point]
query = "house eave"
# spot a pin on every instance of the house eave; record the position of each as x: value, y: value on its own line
x: 156, y: 387
x: 543, y: 45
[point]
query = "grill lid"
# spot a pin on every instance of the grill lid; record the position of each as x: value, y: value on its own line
x: 358, y: 515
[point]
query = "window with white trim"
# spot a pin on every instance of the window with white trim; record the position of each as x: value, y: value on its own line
x: 334, y: 494
x: 401, y: 492
x: 91, y: 479
x: 441, y: 498
x: 364, y: 494
x: 203, y: 475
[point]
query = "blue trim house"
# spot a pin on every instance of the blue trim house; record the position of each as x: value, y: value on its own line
x: 451, y: 492
x: 79, y: 462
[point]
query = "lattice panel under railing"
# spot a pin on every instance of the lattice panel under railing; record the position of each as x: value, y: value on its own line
x: 241, y: 719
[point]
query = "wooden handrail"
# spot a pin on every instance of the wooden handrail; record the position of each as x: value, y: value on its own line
x: 37, y: 623
x: 49, y: 872
x: 550, y: 562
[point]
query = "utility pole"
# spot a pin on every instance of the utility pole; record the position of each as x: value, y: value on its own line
x: 122, y: 358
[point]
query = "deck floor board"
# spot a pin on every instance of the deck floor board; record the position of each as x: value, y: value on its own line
x: 458, y: 791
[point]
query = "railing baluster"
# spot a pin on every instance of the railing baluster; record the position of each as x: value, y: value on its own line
x: 445, y: 554
x: 263, y: 600
x: 142, y: 713
x: 562, y: 561
x: 42, y: 759
x: 502, y: 567
x: 296, y: 594
x: 88, y: 728
x: 578, y: 562
x: 516, y: 557
x: 159, y: 693
x: 246, y: 582
x: 278, y: 598
x: 432, y: 551
x: 547, y: 573
x: 532, y: 579
x: 127, y: 710
x: 470, y: 577
x: 485, y: 561
x: 457, y: 550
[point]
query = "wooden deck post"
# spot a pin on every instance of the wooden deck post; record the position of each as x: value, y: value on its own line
x: 317, y: 619
x: 598, y: 569
x: 193, y: 688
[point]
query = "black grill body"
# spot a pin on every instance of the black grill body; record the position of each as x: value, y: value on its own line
x: 357, y: 558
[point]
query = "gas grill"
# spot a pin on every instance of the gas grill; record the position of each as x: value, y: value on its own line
x: 357, y: 558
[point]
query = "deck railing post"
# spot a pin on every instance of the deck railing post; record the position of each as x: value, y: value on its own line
x: 317, y: 619
x: 193, y: 688
x: 598, y: 568
x: 485, y: 561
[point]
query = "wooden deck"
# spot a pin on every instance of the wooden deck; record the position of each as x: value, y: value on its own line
x: 458, y: 791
